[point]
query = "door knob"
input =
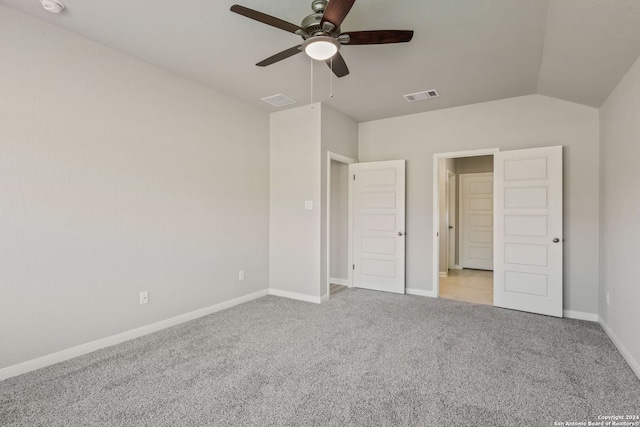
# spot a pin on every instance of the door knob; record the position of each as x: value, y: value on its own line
x: 556, y: 240
x: 400, y: 233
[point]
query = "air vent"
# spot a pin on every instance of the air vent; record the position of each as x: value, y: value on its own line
x: 279, y: 100
x: 420, y: 96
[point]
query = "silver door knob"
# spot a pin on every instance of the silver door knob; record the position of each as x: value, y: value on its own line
x: 400, y: 233
x: 556, y: 240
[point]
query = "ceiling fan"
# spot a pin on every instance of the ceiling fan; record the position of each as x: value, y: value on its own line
x: 322, y: 35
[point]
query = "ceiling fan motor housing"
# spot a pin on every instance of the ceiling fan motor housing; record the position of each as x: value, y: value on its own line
x: 311, y: 24
x: 319, y: 6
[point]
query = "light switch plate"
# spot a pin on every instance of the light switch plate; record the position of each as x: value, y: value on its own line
x: 308, y: 204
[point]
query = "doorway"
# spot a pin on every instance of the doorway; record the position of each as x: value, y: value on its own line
x: 463, y: 218
x: 338, y: 211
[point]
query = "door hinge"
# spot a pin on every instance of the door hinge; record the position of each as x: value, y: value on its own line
x: 354, y: 176
x: 353, y: 267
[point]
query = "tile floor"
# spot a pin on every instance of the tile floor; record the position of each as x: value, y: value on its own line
x: 468, y: 285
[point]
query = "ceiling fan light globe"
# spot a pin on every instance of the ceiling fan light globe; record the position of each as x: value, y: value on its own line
x: 321, y: 48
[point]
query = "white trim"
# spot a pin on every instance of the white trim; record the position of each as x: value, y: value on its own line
x: 350, y: 230
x: 452, y: 227
x: 444, y: 274
x: 337, y: 281
x: 348, y: 161
x: 580, y: 315
x: 436, y: 214
x: 340, y: 158
x: 296, y: 296
x: 457, y: 267
x: 633, y: 364
x: 82, y: 349
x: 420, y: 292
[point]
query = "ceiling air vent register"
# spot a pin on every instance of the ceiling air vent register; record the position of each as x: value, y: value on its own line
x: 279, y: 100
x: 421, y: 96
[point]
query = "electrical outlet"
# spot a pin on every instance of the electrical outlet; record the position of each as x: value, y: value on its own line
x: 144, y: 297
x: 241, y: 275
x: 607, y: 298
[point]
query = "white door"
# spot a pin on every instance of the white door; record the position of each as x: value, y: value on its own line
x: 378, y: 195
x: 476, y: 220
x: 528, y: 225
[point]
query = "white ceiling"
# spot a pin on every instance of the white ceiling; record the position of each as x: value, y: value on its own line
x: 469, y: 50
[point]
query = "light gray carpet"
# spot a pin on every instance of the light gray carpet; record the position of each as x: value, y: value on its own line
x: 363, y: 358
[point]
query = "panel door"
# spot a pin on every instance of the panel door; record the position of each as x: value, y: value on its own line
x: 476, y: 218
x: 378, y: 200
x: 528, y: 230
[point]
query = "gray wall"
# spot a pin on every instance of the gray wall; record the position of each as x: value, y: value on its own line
x: 620, y: 214
x: 515, y: 123
x: 118, y: 177
x: 294, y: 238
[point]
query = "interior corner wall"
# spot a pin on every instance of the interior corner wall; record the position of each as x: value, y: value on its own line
x: 620, y: 214
x: 294, y: 238
x: 515, y: 123
x: 339, y: 135
x: 300, y: 139
x: 118, y: 177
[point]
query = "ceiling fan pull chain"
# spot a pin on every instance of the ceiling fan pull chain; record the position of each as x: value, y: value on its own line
x: 331, y: 79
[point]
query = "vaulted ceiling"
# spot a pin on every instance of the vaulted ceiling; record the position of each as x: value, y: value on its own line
x: 468, y: 50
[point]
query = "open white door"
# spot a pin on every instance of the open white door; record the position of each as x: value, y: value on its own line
x: 378, y: 196
x: 528, y: 230
x: 476, y: 220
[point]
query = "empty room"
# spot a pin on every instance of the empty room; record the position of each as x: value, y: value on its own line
x: 327, y: 212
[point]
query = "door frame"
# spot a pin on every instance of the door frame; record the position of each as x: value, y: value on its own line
x: 452, y: 207
x: 347, y: 161
x: 436, y: 205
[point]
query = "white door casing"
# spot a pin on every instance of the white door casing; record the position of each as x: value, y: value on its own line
x: 451, y: 218
x: 476, y: 220
x: 528, y: 230
x: 378, y: 200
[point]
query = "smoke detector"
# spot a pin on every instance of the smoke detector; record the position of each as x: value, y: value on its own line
x: 53, y: 6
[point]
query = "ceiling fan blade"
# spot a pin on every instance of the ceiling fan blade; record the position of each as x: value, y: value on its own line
x: 336, y: 11
x: 280, y: 56
x: 378, y: 37
x: 264, y: 18
x: 338, y: 66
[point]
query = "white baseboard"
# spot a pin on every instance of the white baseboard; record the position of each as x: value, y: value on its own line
x: 579, y: 315
x: 444, y: 274
x: 337, y: 281
x: 420, y: 292
x: 458, y: 267
x: 633, y: 364
x: 70, y: 353
x: 296, y: 296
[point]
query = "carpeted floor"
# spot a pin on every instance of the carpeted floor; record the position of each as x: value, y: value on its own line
x: 363, y: 358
